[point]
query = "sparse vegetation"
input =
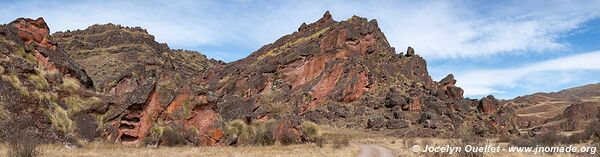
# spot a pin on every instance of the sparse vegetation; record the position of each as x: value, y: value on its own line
x: 289, y: 137
x: 48, y: 96
x: 4, y: 115
x: 264, y: 133
x: 274, y: 107
x: 340, y: 142
x: 22, y: 144
x: 277, y: 50
x: 76, y: 104
x: 38, y: 81
x: 70, y: 84
x: 469, y: 135
x: 59, y: 118
x: 239, y: 130
x: 172, y: 137
x: 311, y: 130
x: 153, y: 138
x: 16, y: 83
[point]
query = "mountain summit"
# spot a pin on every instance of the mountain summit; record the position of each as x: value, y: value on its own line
x: 343, y: 74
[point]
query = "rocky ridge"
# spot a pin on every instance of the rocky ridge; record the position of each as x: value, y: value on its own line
x: 343, y: 74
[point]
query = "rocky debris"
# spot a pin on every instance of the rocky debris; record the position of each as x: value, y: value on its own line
x: 396, y: 124
x: 448, y: 80
x: 340, y: 73
x: 394, y: 98
x: 376, y: 122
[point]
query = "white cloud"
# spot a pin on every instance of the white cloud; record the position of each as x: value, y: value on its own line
x: 437, y: 29
x: 544, y: 73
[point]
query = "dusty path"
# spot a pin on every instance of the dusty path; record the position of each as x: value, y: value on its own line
x: 373, y: 150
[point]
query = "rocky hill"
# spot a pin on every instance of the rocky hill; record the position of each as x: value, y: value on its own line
x: 131, y: 89
x: 566, y: 110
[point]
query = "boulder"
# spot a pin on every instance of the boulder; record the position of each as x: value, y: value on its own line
x: 410, y: 52
x: 395, y: 99
x: 396, y: 124
x: 488, y: 105
x: 375, y: 122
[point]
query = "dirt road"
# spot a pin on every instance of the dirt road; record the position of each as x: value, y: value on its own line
x: 373, y: 150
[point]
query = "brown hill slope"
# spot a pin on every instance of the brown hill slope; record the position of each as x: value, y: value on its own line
x: 566, y: 110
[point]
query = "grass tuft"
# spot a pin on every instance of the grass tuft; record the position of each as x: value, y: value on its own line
x: 311, y: 130
x: 77, y: 104
x: 70, y: 84
x: 14, y: 80
x: 59, y: 118
x: 38, y: 81
x: 240, y: 130
x: 49, y: 96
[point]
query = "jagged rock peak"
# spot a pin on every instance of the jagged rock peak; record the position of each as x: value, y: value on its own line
x: 410, y: 52
x: 448, y: 80
x: 98, y: 28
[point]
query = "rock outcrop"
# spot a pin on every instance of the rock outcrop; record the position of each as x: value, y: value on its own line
x: 134, y: 89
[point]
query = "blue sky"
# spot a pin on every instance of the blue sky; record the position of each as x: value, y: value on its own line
x: 506, y: 48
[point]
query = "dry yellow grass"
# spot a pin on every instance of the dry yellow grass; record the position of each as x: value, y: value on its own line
x: 115, y: 150
x: 401, y: 146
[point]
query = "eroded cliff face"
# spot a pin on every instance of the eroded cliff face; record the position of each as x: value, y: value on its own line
x: 44, y: 93
x: 346, y: 74
x: 343, y: 74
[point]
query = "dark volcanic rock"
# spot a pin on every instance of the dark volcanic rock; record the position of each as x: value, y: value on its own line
x: 396, y: 124
x: 375, y: 122
x: 343, y: 73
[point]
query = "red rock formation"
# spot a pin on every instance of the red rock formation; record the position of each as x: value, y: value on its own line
x: 34, y: 31
x: 488, y: 105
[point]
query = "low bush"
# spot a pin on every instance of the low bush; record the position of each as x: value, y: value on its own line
x: 239, y: 130
x: 38, y: 81
x: 310, y: 130
x: 59, y: 118
x: 22, y: 144
x: 70, y: 84
x: 289, y: 137
x: 264, y: 133
x: 172, y: 137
